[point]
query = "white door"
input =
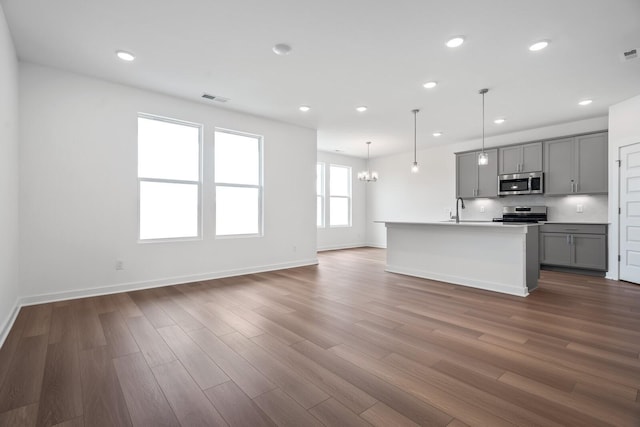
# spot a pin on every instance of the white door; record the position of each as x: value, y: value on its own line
x: 630, y: 213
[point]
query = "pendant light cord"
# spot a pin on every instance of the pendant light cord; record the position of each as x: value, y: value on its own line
x: 415, y: 137
x: 482, y: 92
x: 483, y: 121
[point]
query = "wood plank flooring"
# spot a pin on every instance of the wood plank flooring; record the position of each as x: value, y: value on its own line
x: 338, y: 344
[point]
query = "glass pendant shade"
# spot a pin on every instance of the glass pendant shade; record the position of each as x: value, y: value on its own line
x: 415, y: 168
x: 483, y: 159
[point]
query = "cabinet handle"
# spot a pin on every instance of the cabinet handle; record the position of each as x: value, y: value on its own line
x: 568, y: 239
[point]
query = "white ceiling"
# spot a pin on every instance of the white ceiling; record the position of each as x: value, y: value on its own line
x: 353, y: 52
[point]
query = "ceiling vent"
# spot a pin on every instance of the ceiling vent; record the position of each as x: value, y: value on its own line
x: 214, y: 98
x: 630, y: 54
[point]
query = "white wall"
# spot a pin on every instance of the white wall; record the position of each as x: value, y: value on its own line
x: 345, y: 237
x: 8, y: 178
x: 428, y: 195
x: 78, y: 191
x: 624, y: 129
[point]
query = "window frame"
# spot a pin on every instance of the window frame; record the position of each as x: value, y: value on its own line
x: 199, y: 183
x: 321, y: 194
x: 349, y: 197
x: 259, y: 187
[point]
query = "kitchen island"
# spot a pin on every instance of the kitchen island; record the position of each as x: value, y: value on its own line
x: 493, y: 256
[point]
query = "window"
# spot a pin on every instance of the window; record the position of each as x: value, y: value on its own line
x: 168, y: 178
x: 339, y: 196
x: 238, y: 177
x: 320, y: 195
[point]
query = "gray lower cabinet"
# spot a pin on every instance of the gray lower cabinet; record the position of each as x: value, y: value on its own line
x: 576, y: 165
x: 579, y: 246
x: 473, y: 180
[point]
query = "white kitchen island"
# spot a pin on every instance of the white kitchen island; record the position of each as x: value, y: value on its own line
x: 493, y: 256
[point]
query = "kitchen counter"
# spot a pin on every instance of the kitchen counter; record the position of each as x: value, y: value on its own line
x: 487, y: 255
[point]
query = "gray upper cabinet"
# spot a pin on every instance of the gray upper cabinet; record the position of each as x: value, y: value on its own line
x: 521, y: 158
x: 473, y: 180
x: 591, y: 163
x: 576, y: 165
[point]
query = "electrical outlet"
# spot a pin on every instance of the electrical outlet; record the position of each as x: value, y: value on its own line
x: 579, y: 208
x: 481, y: 209
x: 119, y: 265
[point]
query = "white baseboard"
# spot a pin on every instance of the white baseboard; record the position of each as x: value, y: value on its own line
x: 8, y: 323
x: 376, y: 245
x: 134, y: 286
x: 345, y: 246
x: 472, y: 283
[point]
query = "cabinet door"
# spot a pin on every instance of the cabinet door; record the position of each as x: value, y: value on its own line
x: 488, y: 176
x: 591, y: 163
x: 555, y: 249
x: 558, y: 166
x: 510, y: 159
x: 531, y: 157
x: 466, y: 175
x: 589, y: 251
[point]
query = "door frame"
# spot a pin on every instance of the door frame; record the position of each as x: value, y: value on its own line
x: 618, y: 206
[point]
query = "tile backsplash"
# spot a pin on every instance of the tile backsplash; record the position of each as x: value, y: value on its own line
x: 560, y: 208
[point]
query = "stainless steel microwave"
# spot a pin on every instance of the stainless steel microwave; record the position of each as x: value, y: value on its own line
x: 520, y: 183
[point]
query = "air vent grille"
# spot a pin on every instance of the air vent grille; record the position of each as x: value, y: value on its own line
x: 630, y: 54
x: 214, y: 98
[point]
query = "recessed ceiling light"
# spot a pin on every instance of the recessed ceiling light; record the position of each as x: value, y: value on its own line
x: 539, y: 45
x: 281, y: 49
x: 430, y: 85
x: 437, y: 134
x: 455, y: 41
x: 304, y: 108
x: 585, y: 102
x: 125, y: 56
x: 361, y: 109
x: 499, y: 121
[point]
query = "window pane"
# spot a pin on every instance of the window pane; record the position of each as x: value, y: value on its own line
x: 237, y: 210
x: 237, y: 159
x: 319, y: 176
x: 168, y: 210
x: 340, y: 181
x: 339, y: 211
x: 319, y: 211
x: 168, y: 150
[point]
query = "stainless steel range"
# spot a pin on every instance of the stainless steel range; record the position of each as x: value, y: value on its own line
x: 526, y: 214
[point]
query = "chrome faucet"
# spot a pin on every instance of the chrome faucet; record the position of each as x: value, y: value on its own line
x: 457, y: 217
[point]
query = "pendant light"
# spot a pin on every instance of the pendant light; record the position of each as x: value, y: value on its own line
x: 414, y: 167
x: 367, y: 175
x: 483, y: 158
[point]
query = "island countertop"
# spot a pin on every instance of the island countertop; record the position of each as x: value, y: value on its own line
x: 464, y: 223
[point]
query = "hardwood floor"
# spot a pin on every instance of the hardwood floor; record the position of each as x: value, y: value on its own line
x: 339, y: 344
